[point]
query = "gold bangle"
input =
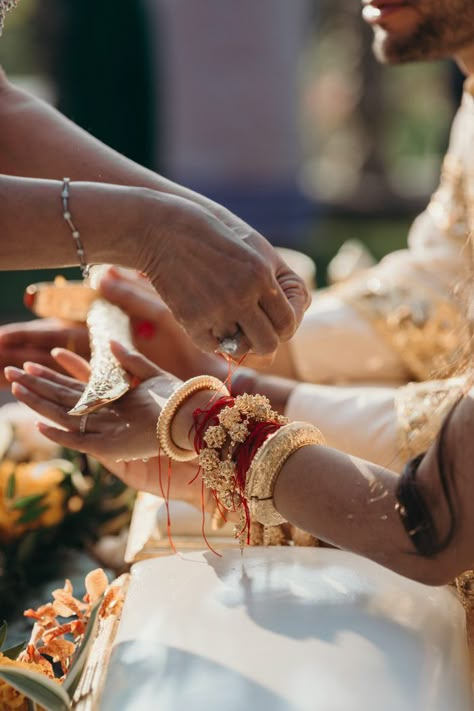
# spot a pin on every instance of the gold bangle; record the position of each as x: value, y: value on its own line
x: 170, y: 409
x: 267, y: 465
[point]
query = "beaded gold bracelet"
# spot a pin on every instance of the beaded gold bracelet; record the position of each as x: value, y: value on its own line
x: 170, y: 409
x: 267, y: 465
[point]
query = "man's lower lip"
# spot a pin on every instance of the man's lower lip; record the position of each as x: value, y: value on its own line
x: 375, y: 15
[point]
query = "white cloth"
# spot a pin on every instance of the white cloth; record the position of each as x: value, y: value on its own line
x: 357, y: 420
x: 336, y: 344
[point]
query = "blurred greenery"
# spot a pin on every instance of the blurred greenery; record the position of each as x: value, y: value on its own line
x: 17, y: 49
x: 380, y: 235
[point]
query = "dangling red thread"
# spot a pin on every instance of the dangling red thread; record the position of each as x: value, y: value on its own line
x: 166, y: 498
x: 203, y: 521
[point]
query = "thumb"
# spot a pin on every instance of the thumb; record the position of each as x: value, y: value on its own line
x: 134, y: 362
x: 296, y: 292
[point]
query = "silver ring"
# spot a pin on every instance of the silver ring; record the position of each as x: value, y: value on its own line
x: 231, y: 344
x: 83, y: 424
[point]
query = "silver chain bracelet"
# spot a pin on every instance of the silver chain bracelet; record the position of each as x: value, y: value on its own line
x: 75, y: 232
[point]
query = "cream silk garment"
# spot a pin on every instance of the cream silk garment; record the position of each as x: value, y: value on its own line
x: 401, y: 321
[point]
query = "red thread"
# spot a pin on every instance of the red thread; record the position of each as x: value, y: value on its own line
x: 208, y: 417
x: 242, y: 455
x: 203, y: 522
x: 166, y: 498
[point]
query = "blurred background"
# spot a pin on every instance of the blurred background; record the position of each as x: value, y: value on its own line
x: 276, y: 109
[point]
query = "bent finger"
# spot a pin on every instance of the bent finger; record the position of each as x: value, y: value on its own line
x: 134, y: 363
x: 72, y: 363
x: 279, y: 311
x: 259, y: 331
x: 136, y: 299
x: 47, y: 408
x: 42, y: 371
x: 45, y: 388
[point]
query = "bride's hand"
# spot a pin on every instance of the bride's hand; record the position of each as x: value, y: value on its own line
x: 156, y: 333
x: 144, y: 475
x: 124, y: 430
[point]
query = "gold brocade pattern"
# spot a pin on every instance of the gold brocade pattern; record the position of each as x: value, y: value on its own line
x: 426, y: 326
x: 465, y: 588
x: 420, y: 411
x: 450, y: 207
x: 428, y: 333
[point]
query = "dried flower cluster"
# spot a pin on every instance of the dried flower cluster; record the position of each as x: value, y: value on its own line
x: 59, y: 629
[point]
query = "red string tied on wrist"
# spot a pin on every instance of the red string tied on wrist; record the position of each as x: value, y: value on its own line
x: 242, y: 455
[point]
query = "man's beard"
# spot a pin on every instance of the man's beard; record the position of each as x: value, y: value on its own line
x: 439, y: 36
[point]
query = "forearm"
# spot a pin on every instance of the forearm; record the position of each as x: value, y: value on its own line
x: 350, y: 503
x: 37, y: 141
x: 33, y: 233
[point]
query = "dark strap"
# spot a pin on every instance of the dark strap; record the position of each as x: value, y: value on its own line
x: 414, y: 513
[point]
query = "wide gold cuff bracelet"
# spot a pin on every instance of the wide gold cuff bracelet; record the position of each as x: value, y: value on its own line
x: 267, y: 465
x: 170, y: 409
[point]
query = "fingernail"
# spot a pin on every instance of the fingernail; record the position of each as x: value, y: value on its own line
x: 119, y: 346
x: 19, y: 390
x: 55, y: 352
x: 32, y: 368
x: 12, y: 373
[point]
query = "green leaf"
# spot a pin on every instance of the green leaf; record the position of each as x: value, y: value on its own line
x: 11, y: 486
x: 26, y: 501
x: 74, y: 674
x: 13, y: 652
x: 31, y: 514
x: 37, y: 687
x: 3, y: 633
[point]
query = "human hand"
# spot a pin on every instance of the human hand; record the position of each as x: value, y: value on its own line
x: 126, y: 429
x: 33, y: 341
x: 155, y: 331
x: 144, y: 475
x: 218, y: 277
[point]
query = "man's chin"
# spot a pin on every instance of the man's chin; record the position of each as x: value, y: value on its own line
x: 398, y: 49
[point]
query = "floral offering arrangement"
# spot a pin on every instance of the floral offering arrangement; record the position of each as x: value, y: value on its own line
x: 44, y: 672
x: 49, y: 497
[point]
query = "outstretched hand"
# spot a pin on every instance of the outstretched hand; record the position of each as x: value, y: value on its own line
x: 152, y: 475
x: 124, y: 430
x: 33, y: 341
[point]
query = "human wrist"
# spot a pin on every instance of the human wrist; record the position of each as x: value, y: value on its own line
x: 182, y: 425
x: 114, y: 221
x: 276, y: 389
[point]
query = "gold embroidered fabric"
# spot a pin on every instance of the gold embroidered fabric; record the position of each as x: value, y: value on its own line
x: 429, y: 334
x: 465, y: 588
x: 450, y: 208
x: 420, y: 411
x: 423, y: 324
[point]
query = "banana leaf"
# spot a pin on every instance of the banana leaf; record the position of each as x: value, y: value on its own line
x: 37, y: 687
